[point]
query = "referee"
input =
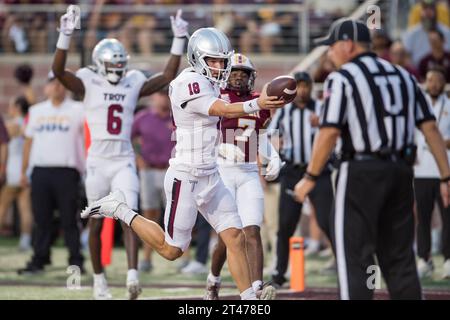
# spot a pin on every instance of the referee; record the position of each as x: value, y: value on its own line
x: 295, y: 125
x: 374, y: 106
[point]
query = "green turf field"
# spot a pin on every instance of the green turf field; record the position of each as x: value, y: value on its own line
x: 164, y: 281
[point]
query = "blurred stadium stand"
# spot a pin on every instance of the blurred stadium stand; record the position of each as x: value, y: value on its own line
x: 276, y: 34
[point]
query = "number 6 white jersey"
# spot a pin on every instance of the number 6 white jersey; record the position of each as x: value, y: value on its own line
x: 109, y: 111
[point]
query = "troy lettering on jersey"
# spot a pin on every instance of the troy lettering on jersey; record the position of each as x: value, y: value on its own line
x: 114, y: 97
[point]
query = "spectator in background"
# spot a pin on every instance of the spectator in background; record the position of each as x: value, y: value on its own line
x: 427, y: 179
x: 438, y: 56
x: 55, y: 134
x: 416, y: 39
x: 337, y: 8
x: 223, y: 20
x: 399, y: 55
x: 267, y: 28
x: 152, y: 131
x: 381, y: 42
x: 38, y: 33
x: 12, y: 190
x: 14, y: 35
x: 104, y: 25
x: 24, y: 74
x: 140, y: 32
x: 273, y: 26
x: 443, y: 14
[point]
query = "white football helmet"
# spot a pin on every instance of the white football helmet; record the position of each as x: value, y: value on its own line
x: 111, y: 59
x: 210, y: 42
x: 242, y: 62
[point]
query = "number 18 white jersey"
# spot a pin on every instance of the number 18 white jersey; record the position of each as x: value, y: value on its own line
x: 197, y: 134
x: 109, y: 111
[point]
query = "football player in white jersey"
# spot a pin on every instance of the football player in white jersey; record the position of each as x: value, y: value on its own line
x: 192, y: 183
x: 243, y: 140
x: 111, y: 93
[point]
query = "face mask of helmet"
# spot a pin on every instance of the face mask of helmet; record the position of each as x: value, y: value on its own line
x: 242, y: 64
x: 236, y: 83
x: 110, y: 58
x: 222, y: 74
x: 114, y: 71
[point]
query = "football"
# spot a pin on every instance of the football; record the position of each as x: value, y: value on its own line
x: 284, y: 87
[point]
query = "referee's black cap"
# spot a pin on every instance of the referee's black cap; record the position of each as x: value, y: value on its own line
x: 345, y: 29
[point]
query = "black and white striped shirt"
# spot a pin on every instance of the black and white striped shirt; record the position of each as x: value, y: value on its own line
x: 375, y: 104
x: 294, y: 127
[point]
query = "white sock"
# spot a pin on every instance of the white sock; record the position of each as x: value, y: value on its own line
x: 100, y: 277
x: 126, y: 214
x: 213, y: 278
x: 25, y: 239
x: 248, y: 294
x: 257, y: 285
x: 132, y: 275
x: 313, y: 244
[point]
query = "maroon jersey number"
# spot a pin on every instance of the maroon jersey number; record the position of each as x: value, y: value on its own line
x: 114, y: 121
x: 194, y: 88
x: 249, y: 125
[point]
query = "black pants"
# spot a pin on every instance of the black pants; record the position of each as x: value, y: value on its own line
x: 373, y: 216
x: 289, y: 216
x: 290, y: 212
x: 322, y: 199
x: 427, y: 192
x: 55, y: 189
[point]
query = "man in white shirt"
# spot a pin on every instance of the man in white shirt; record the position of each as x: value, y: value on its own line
x: 192, y: 183
x: 54, y: 152
x: 426, y: 178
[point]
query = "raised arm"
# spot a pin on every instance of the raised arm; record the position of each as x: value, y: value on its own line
x: 160, y: 80
x: 66, y: 77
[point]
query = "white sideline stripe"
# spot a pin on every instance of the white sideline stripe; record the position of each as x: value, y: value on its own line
x: 288, y: 91
x: 339, y: 231
x: 200, y: 297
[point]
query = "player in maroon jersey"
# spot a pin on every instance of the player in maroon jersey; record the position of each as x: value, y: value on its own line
x: 242, y: 142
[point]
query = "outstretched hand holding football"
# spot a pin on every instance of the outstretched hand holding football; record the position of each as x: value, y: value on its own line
x: 278, y: 92
x: 269, y: 102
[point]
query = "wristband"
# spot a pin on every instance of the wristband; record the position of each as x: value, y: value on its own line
x: 63, y: 41
x: 177, y: 48
x: 445, y: 179
x: 310, y: 176
x: 251, y: 106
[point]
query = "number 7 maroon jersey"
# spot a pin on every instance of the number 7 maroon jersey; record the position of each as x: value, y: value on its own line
x: 243, y: 132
